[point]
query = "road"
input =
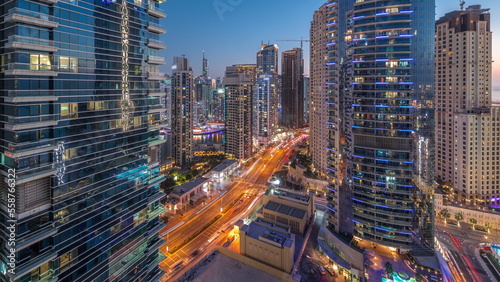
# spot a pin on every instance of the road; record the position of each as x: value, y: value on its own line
x: 251, y: 183
x: 461, y: 244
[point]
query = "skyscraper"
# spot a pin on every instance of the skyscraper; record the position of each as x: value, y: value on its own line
x: 266, y: 99
x: 390, y: 168
x: 81, y: 115
x: 292, y: 93
x: 306, y: 85
x: 182, y: 111
x: 203, y: 94
x: 380, y: 124
x: 218, y: 103
x: 204, y: 66
x: 318, y: 100
x: 239, y: 81
x: 467, y: 126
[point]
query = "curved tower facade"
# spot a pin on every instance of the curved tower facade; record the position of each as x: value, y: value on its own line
x: 391, y: 166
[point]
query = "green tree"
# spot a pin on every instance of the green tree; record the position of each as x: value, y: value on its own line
x: 444, y: 214
x: 419, y: 277
x: 389, y: 270
x: 459, y: 217
x: 473, y: 221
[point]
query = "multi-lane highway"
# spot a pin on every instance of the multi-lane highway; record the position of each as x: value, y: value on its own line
x: 240, y: 197
x: 460, y: 247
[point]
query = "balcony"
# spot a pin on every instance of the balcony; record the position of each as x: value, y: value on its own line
x: 31, y: 69
x: 156, y: 12
x: 158, y: 195
x: 155, y: 126
x: 34, y: 174
x: 49, y: 1
x: 156, y: 109
x: 16, y: 15
x: 155, y: 44
x: 18, y: 123
x: 20, y: 96
x: 156, y: 28
x: 157, y: 94
x: 155, y: 213
x: 32, y: 264
x: 155, y: 230
x: 156, y: 141
x: 30, y: 43
x: 156, y: 76
x: 37, y: 237
x: 30, y: 151
x: 155, y: 60
x: 156, y: 180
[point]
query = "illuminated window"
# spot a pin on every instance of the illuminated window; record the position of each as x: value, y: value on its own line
x: 40, y: 62
x: 69, y: 110
x: 68, y: 64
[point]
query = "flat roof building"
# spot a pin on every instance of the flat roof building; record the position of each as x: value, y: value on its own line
x: 284, y: 207
x: 188, y: 193
x: 269, y: 243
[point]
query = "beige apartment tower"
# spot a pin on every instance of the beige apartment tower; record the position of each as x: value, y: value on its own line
x: 318, y: 111
x: 467, y: 125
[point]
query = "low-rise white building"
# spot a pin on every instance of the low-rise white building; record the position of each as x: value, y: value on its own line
x: 223, y: 170
x: 188, y: 193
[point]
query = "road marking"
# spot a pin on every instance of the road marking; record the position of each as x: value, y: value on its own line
x: 173, y: 228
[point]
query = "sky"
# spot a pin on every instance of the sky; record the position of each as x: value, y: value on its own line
x: 231, y: 31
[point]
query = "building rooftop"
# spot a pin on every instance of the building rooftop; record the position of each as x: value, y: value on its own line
x: 284, y: 209
x: 266, y: 234
x: 304, y: 199
x: 222, y: 166
x: 186, y: 187
x: 222, y: 268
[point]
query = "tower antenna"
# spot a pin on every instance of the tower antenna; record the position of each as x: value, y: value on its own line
x: 462, y: 3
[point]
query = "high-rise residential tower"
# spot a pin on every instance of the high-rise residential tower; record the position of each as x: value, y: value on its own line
x: 380, y: 89
x: 218, y: 101
x: 203, y: 94
x: 292, y: 93
x: 318, y: 100
x: 391, y: 166
x: 182, y: 111
x: 239, y: 81
x: 467, y: 126
x: 81, y: 114
x: 266, y: 99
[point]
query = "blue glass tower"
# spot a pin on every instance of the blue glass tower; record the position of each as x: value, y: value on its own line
x: 391, y: 165
x: 80, y: 111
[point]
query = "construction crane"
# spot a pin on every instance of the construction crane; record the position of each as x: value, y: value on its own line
x: 301, y: 41
x: 462, y: 3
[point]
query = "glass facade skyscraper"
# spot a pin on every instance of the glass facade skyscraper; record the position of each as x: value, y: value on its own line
x: 80, y: 125
x: 392, y: 123
x: 380, y: 83
x: 266, y: 96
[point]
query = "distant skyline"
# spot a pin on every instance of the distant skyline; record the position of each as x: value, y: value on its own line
x: 232, y: 34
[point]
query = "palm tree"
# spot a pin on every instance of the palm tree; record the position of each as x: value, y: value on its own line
x: 459, y: 216
x: 444, y: 214
x: 488, y: 226
x: 473, y: 221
